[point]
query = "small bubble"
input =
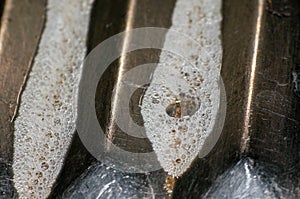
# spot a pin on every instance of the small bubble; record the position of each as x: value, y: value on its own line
x: 52, y: 162
x: 205, y: 116
x: 155, y: 101
x: 186, y: 146
x: 45, y: 166
x: 183, y: 128
x: 42, y: 158
x: 39, y: 174
x: 177, y: 142
x: 197, y: 84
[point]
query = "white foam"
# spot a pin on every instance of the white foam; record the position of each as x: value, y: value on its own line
x: 177, y: 141
x: 46, y: 120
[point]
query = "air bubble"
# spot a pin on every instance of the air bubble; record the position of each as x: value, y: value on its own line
x: 155, y: 101
x: 177, y: 142
x: 183, y: 128
x: 45, y: 166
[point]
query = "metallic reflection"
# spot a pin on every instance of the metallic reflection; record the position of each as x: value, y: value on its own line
x: 245, y: 136
x: 122, y: 64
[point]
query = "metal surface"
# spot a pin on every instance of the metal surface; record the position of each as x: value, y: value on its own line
x: 261, y: 52
x: 261, y: 73
x: 18, y: 44
x: 100, y: 181
x: 243, y: 180
x: 275, y: 111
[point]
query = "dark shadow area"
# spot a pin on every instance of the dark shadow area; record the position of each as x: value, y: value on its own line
x: 2, y: 3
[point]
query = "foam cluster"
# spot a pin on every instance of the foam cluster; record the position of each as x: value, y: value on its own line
x: 180, y: 106
x: 46, y: 118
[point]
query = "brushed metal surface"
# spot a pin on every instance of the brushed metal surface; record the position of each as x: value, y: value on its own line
x: 275, y: 111
x: 260, y: 69
x: 260, y: 59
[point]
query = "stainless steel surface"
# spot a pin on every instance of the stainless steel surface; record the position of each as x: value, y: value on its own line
x: 260, y: 53
x: 275, y: 120
x: 260, y: 43
x: 261, y: 73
